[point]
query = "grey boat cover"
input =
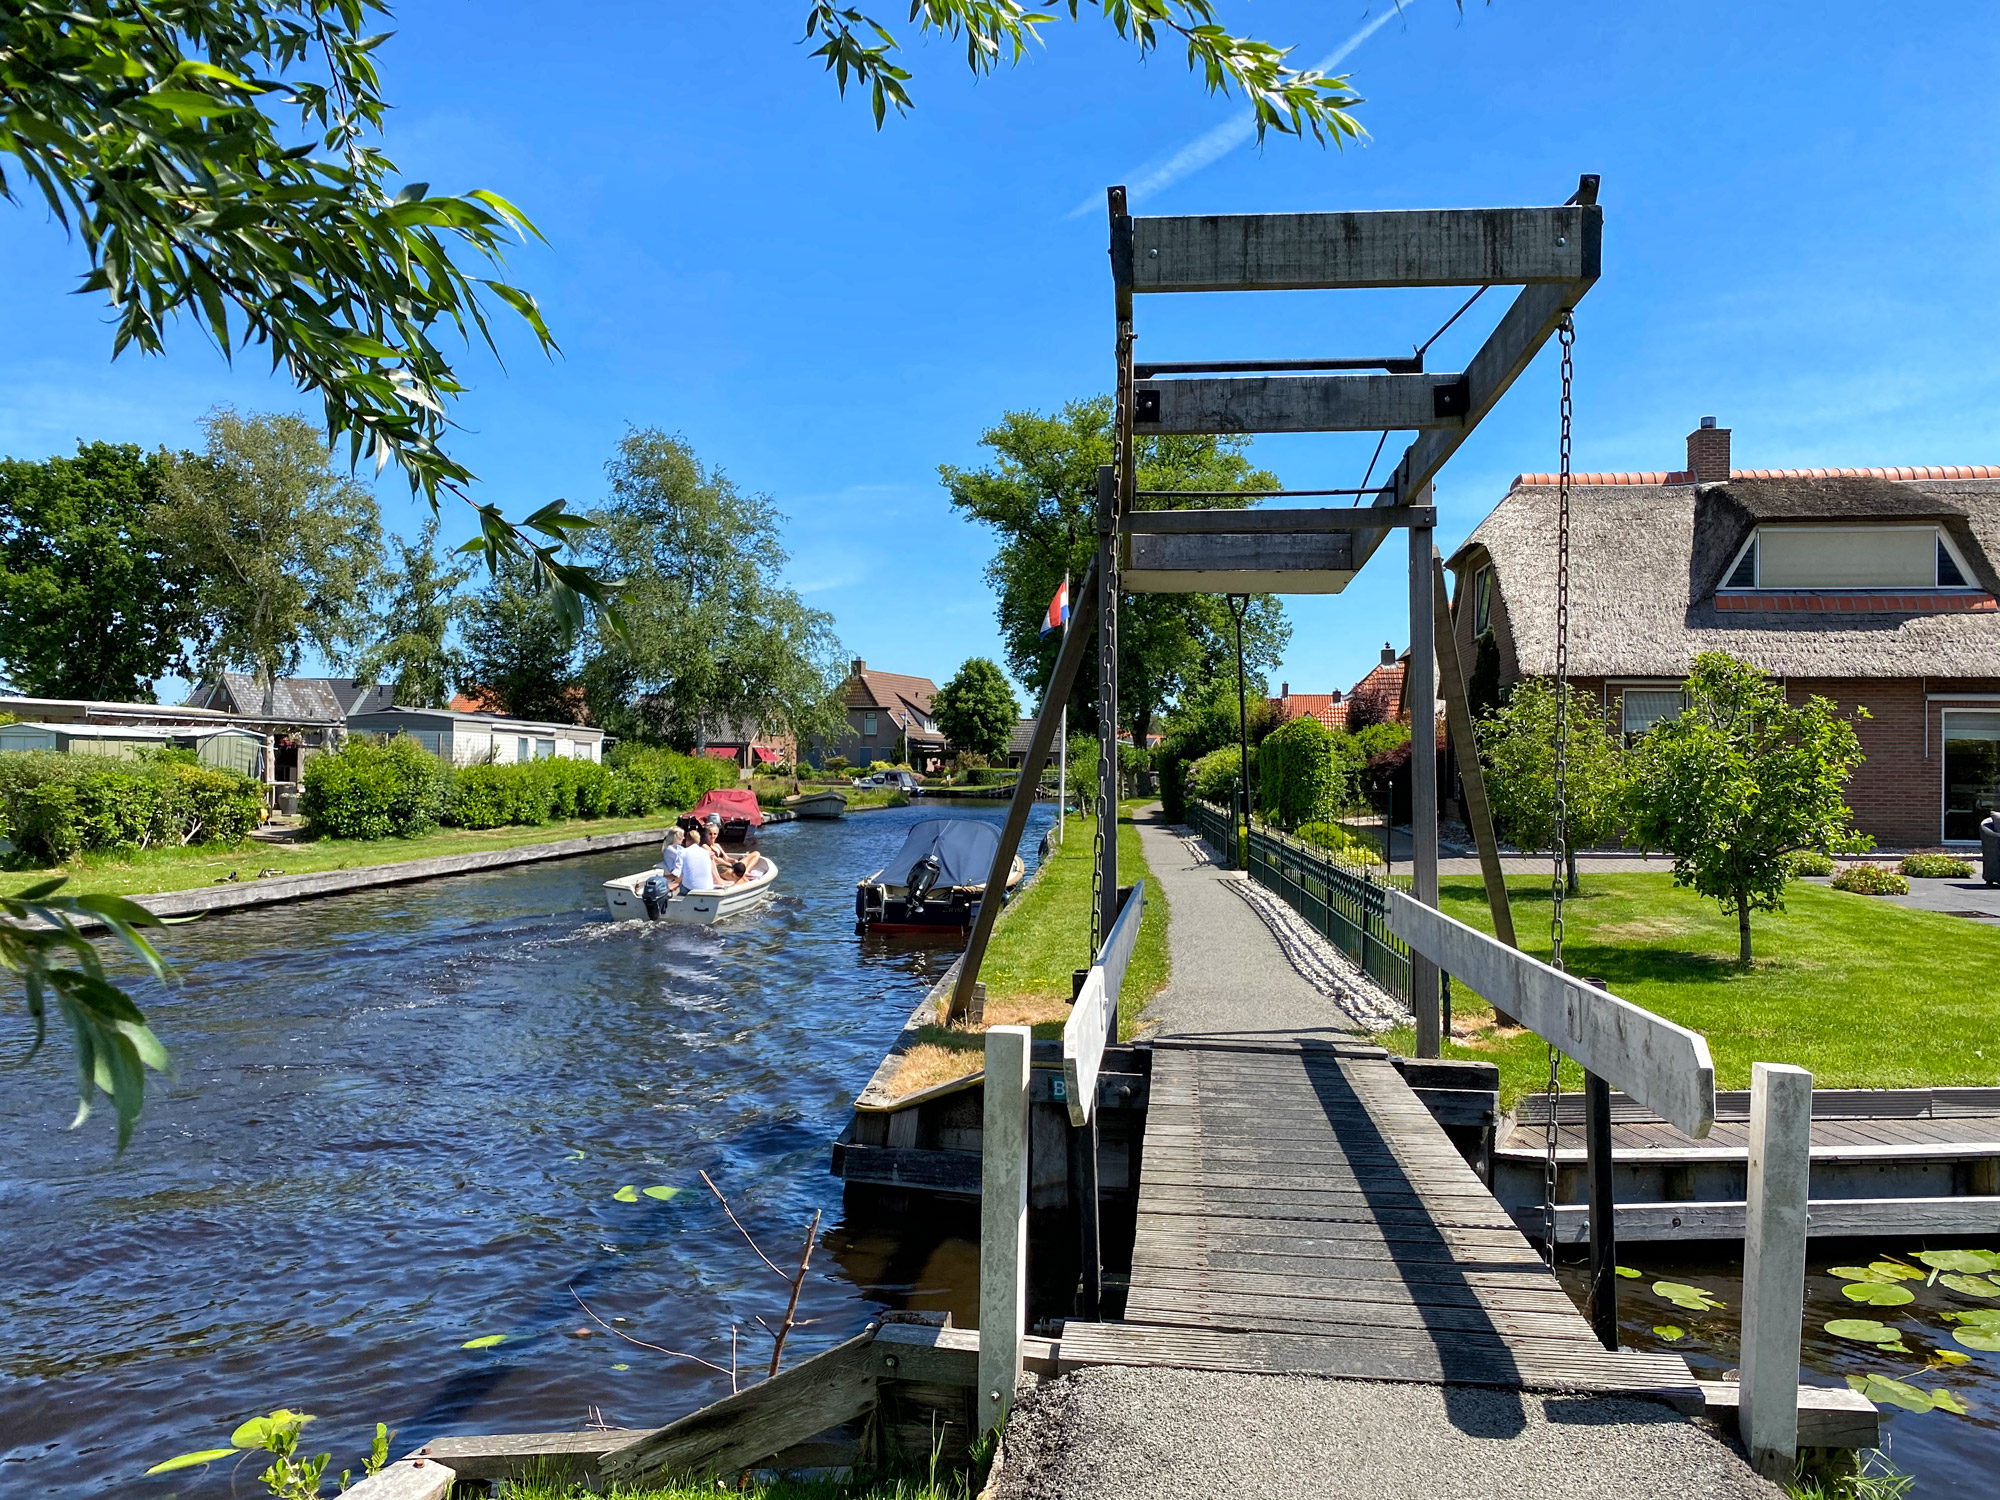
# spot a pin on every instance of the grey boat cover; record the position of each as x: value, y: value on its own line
x: 964, y: 847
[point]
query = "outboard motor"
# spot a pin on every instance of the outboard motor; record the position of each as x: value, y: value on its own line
x: 923, y: 878
x: 656, y: 893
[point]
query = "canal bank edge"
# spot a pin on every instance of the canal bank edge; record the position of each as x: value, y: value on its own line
x: 281, y: 890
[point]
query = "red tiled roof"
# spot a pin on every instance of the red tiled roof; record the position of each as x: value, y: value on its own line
x: 869, y: 688
x: 1683, y: 476
x: 1326, y: 707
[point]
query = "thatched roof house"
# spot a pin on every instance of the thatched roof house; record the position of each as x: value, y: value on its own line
x: 1874, y: 587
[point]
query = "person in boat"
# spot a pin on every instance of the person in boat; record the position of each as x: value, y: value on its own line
x: 711, y: 840
x: 698, y: 872
x: 671, y: 856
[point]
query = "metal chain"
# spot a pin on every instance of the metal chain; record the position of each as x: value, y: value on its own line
x: 1566, y: 332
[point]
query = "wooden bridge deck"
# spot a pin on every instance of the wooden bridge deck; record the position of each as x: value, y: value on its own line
x: 1300, y: 1211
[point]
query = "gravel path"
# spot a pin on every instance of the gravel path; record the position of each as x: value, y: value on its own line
x: 1193, y: 1435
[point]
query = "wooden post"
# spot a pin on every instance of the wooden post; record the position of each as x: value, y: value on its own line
x: 1003, y: 1222
x: 1465, y: 737
x: 1420, y: 686
x: 1603, y: 1226
x: 1105, y: 912
x: 1089, y: 1235
x: 1774, y: 1264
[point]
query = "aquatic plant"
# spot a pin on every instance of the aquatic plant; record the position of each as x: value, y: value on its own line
x: 289, y: 1476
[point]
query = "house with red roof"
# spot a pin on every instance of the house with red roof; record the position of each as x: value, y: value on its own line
x: 888, y: 718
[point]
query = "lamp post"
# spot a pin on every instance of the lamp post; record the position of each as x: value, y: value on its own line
x: 1239, y: 606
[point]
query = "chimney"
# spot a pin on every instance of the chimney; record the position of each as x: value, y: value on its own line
x: 1284, y: 690
x: 1708, y: 452
x: 861, y: 666
x: 1335, y: 697
x: 1388, y: 655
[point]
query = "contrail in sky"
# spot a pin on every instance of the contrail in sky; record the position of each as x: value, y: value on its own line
x: 1226, y: 137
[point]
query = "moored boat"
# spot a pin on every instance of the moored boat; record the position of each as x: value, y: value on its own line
x: 625, y: 897
x: 818, y: 805
x: 735, y: 806
x: 936, y: 880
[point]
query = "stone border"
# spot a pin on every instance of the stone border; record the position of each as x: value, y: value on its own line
x: 278, y: 890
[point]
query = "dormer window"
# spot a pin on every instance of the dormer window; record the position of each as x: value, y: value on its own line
x: 1848, y: 557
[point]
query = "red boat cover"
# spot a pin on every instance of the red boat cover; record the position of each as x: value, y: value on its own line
x: 731, y: 803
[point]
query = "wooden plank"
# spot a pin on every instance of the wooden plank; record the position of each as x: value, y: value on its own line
x: 1648, y: 1156
x: 412, y: 1479
x: 1438, y: 1287
x: 505, y: 1455
x: 922, y: 1169
x: 1339, y: 519
x: 1334, y: 1319
x: 1829, y: 1416
x: 1830, y: 1218
x: 946, y: 1356
x: 1003, y: 1222
x: 1300, y: 403
x: 1774, y: 1263
x: 1239, y: 552
x: 1330, y: 251
x: 1116, y: 954
x: 733, y: 1433
x: 1664, y: 1066
x: 1083, y: 1047
x: 1471, y: 772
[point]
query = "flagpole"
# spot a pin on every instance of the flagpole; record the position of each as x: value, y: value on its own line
x: 1062, y: 779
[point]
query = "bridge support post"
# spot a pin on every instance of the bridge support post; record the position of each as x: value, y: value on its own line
x: 1003, y: 1222
x: 1603, y: 1224
x: 1420, y: 690
x: 1774, y: 1264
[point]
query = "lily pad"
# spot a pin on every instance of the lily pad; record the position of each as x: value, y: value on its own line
x: 1950, y: 1357
x: 1878, y: 1294
x: 1881, y: 1389
x: 1979, y: 1317
x: 485, y: 1341
x: 1860, y: 1273
x: 1972, y: 1286
x: 190, y: 1460
x: 1895, y: 1270
x: 1981, y: 1337
x: 1863, y: 1331
x: 1944, y: 1400
x: 1629, y: 1274
x: 1670, y: 1333
x: 661, y: 1193
x: 626, y: 1194
x: 1973, y: 1261
x: 621, y: 1367
x: 1693, y: 1298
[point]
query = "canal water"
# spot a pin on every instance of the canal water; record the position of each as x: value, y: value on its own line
x: 400, y: 1122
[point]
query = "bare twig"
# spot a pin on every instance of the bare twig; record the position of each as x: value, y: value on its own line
x: 744, y: 1232
x: 661, y: 1348
x: 732, y: 1359
x: 798, y: 1284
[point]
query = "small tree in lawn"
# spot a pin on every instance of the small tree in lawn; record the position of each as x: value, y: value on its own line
x: 1518, y: 743
x: 977, y: 710
x: 1741, y: 781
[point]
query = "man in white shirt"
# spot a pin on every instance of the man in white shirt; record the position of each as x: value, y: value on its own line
x: 697, y: 869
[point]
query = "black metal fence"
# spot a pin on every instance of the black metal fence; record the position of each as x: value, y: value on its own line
x: 1344, y: 904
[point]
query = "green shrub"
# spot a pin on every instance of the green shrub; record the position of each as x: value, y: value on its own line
x: 1871, y: 880
x: 57, y: 806
x: 1936, y: 867
x: 1343, y: 845
x: 1213, y: 778
x: 374, y: 789
x: 1809, y: 862
x: 1299, y: 780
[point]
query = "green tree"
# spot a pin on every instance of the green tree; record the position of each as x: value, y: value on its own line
x: 519, y: 658
x: 712, y: 637
x: 1517, y: 741
x: 89, y: 605
x: 1741, y: 780
x: 977, y: 710
x: 1039, y: 496
x: 1300, y: 778
x: 413, y: 635
x: 281, y: 551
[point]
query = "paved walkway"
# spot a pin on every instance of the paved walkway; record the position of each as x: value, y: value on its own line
x: 1140, y: 1427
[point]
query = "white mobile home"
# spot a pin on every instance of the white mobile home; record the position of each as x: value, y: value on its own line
x: 471, y: 739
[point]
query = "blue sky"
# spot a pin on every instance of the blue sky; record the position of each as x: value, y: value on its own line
x: 1800, y: 225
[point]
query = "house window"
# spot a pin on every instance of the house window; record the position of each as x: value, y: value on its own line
x: 1847, y: 557
x: 1482, y: 601
x: 1645, y: 707
x: 868, y: 726
x: 545, y: 749
x: 1971, y: 772
x: 521, y: 748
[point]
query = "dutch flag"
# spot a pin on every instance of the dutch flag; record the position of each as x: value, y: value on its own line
x: 1058, y: 612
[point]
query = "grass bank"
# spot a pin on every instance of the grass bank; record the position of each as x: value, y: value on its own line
x: 1863, y: 993
x: 859, y: 798
x: 1039, y: 940
x: 149, y: 872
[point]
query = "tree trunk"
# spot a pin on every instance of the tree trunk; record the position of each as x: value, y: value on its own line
x: 1570, y: 888
x: 1743, y: 928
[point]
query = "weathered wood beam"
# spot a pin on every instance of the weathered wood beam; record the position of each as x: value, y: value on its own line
x: 1420, y: 247
x: 507, y: 1455
x: 1664, y: 1066
x: 1327, y: 518
x: 1829, y: 1416
x: 1241, y: 552
x: 1093, y: 1018
x: 1299, y: 403
x: 732, y: 1434
x: 412, y: 1479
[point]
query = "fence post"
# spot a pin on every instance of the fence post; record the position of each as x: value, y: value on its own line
x: 1774, y: 1264
x: 1003, y: 1222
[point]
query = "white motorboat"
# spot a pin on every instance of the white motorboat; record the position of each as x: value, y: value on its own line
x: 626, y: 898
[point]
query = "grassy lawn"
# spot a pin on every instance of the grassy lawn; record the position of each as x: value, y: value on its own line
x: 1863, y: 993
x: 142, y: 872
x: 859, y: 798
x: 1040, y: 938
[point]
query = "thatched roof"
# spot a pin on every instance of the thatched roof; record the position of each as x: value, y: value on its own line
x: 1646, y: 558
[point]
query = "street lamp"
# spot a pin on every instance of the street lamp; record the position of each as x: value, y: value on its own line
x: 1239, y: 606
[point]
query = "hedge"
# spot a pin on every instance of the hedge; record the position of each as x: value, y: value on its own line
x: 1298, y: 779
x: 394, y: 788
x: 56, y: 806
x: 1214, y: 777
